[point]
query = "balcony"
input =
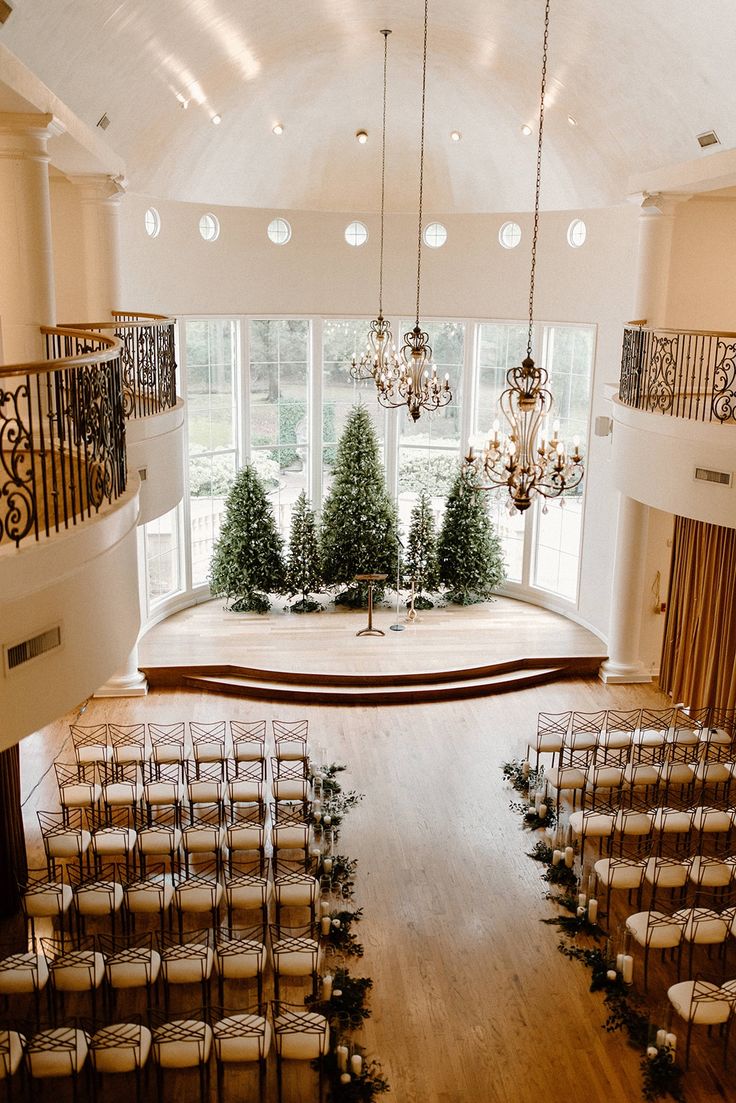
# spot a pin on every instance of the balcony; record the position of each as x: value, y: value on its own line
x: 674, y: 438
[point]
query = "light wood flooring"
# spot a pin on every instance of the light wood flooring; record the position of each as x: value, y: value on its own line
x: 471, y: 1000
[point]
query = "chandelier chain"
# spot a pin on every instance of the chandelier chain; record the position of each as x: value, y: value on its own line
x: 537, y: 188
x: 421, y: 158
x: 383, y: 173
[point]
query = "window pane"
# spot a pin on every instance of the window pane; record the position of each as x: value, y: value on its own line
x: 279, y: 412
x: 162, y: 557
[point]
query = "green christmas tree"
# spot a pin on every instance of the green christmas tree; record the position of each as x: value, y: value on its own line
x: 469, y: 551
x: 303, y: 571
x: 420, y: 562
x: 358, y: 531
x: 248, y: 559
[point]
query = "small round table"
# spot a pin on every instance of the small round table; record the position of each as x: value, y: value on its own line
x: 371, y: 579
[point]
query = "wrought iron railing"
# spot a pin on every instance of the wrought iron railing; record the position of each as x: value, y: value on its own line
x: 62, y: 435
x: 148, y: 358
x: 689, y: 375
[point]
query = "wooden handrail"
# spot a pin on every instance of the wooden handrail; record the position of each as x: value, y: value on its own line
x: 686, y: 332
x: 39, y: 367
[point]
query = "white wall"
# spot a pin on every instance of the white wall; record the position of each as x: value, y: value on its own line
x: 702, y: 282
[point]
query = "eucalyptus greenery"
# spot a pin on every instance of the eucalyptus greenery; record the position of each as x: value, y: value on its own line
x: 341, y: 938
x: 346, y: 1009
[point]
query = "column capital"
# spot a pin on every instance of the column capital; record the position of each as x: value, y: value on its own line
x: 99, y: 188
x: 654, y: 204
x: 26, y: 134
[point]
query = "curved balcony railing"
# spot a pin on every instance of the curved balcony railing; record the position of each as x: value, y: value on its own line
x: 671, y: 371
x: 62, y: 435
x: 148, y: 358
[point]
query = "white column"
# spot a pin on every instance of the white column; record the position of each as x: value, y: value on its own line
x: 627, y: 597
x: 656, y: 225
x: 27, y: 293
x: 127, y: 682
x: 100, y: 246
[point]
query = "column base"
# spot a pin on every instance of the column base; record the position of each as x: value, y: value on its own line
x: 128, y: 685
x: 620, y: 673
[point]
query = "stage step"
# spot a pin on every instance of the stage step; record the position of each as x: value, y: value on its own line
x: 376, y: 689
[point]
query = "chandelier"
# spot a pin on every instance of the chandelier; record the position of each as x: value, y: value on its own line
x: 380, y: 356
x: 528, y: 460
x: 413, y: 381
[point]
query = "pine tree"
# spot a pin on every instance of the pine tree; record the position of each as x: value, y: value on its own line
x: 358, y: 530
x: 303, y: 573
x: 469, y: 551
x: 421, y: 552
x: 248, y: 559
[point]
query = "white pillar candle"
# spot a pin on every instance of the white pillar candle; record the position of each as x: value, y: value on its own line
x: 317, y: 815
x: 537, y: 802
x: 619, y: 963
x: 651, y: 1052
x: 356, y: 1064
x: 580, y: 912
x: 327, y: 981
x: 341, y: 1052
x: 627, y: 972
x: 569, y: 857
x: 582, y: 900
x: 556, y: 857
x: 525, y: 768
x: 542, y: 812
x: 592, y: 910
x: 672, y: 1042
x: 326, y: 924
x: 327, y: 865
x: 345, y: 1078
x: 324, y: 907
x: 327, y: 819
x: 611, y: 974
x: 661, y: 1039
x: 336, y: 924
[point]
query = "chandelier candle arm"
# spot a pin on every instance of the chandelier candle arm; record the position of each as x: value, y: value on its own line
x: 413, y: 380
x: 525, y: 461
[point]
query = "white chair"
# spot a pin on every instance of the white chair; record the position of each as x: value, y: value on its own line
x: 290, y: 740
x: 552, y: 727
x: 45, y: 898
x: 122, y: 786
x: 294, y: 954
x: 113, y: 836
x: 208, y: 741
x: 59, y: 1051
x: 183, y: 1042
x: 241, y: 1037
x: 586, y: 729
x: 205, y: 834
x: 248, y: 740
x: 289, y: 831
x: 167, y: 745
x: 189, y: 960
x: 78, y: 785
x: 248, y: 887
x: 128, y: 743
x: 294, y: 887
x: 700, y: 1002
x: 288, y: 783
x: 163, y: 789
x: 654, y: 725
x: 654, y: 931
x: 74, y: 970
x: 621, y: 872
x: 131, y: 963
x: 619, y: 730
x: 299, y: 1035
x: 246, y: 834
x: 570, y: 775
x: 246, y: 783
x: 199, y: 892
x: 205, y: 785
x: 12, y: 1049
x: 23, y: 973
x: 161, y: 838
x: 150, y: 894
x: 240, y: 955
x: 700, y: 927
x: 666, y: 872
x: 64, y: 838
x: 635, y: 823
x: 121, y: 1048
x: 99, y: 896
x: 91, y: 743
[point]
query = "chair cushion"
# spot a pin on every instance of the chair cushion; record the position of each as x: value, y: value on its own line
x: 159, y: 840
x: 634, y: 823
x: 120, y: 1047
x: 198, y: 898
x: 242, y: 1038
x: 295, y: 957
x: 666, y: 874
x: 296, y: 893
x: 58, y: 1051
x: 708, y: 1008
x: 594, y: 824
x: 291, y: 750
x: 566, y: 777
x: 246, y: 837
x: 23, y: 973
x: 203, y: 839
x: 183, y: 1044
x: 620, y: 873
x: 290, y: 838
x: 301, y: 1043
x: 244, y: 792
x: 640, y: 774
x: 710, y: 871
x: 114, y: 840
x: 67, y: 844
x: 204, y: 792
x: 711, y: 819
x: 78, y: 971
x: 162, y: 792
x: 241, y: 958
x: 248, y: 892
x: 168, y: 752
x: 702, y: 926
x: 133, y: 968
x: 48, y: 900
x: 246, y: 751
x: 80, y: 795
x: 290, y: 789
x: 100, y: 898
x: 672, y: 820
x: 659, y: 935
x: 209, y: 752
x: 187, y: 964
x: 149, y: 896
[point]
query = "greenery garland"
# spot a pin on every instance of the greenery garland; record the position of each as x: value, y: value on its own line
x: 340, y: 939
x: 661, y: 1075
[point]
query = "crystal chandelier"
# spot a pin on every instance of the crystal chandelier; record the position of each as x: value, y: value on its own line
x: 528, y: 460
x: 380, y: 356
x: 413, y: 381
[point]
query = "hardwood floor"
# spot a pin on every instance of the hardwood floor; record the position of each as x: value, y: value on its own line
x: 471, y: 1000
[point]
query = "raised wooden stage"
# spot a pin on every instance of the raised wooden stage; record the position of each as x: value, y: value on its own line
x: 447, y: 653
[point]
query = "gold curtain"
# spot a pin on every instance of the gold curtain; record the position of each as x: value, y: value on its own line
x: 699, y: 648
x: 12, y: 838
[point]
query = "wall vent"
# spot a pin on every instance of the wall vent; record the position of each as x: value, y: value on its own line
x: 103, y: 122
x: 5, y: 10
x: 23, y: 652
x: 705, y: 475
x: 710, y: 138
x: 143, y: 473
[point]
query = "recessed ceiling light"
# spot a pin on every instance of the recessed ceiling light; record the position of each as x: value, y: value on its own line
x: 216, y: 120
x: 456, y: 135
x: 362, y: 136
x: 183, y: 101
x: 526, y: 129
x: 571, y: 121
x: 278, y: 128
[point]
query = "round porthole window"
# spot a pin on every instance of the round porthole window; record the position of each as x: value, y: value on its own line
x: 510, y: 235
x: 356, y: 234
x: 435, y: 235
x: 209, y: 227
x: 577, y: 231
x: 279, y: 231
x: 152, y: 222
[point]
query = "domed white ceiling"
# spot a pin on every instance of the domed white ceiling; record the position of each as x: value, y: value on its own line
x: 641, y: 78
